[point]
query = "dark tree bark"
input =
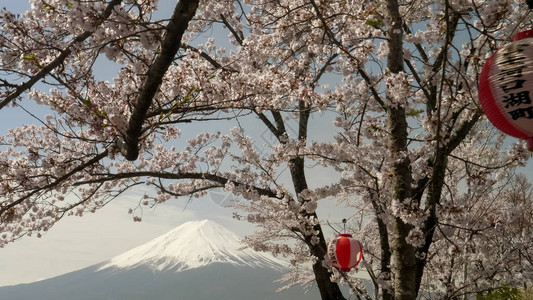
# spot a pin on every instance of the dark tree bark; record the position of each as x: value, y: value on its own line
x: 182, y: 15
x: 403, y: 254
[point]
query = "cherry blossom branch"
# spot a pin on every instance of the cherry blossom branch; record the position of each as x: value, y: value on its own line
x: 470, y: 162
x: 190, y: 192
x: 462, y: 131
x: 269, y: 125
x: 356, y: 290
x: 237, y: 35
x: 78, y: 203
x: 58, y: 61
x: 56, y: 182
x: 361, y: 71
x: 207, y: 57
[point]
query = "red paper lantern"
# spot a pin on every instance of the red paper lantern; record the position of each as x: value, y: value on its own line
x: 344, y: 252
x: 505, y: 86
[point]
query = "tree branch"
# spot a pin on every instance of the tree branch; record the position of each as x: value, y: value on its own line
x: 183, y: 14
x: 222, y: 181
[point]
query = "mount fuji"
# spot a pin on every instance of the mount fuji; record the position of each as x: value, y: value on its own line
x: 193, y: 245
x: 195, y: 261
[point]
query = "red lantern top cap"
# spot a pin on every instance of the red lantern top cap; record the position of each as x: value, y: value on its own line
x: 523, y: 35
x: 344, y: 235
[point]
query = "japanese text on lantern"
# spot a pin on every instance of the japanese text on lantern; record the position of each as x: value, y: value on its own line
x: 511, y: 65
x: 332, y: 253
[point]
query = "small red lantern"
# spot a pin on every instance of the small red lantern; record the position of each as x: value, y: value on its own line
x: 344, y: 252
x: 505, y: 83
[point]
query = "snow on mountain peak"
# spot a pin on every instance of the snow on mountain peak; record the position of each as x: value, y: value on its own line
x: 192, y: 245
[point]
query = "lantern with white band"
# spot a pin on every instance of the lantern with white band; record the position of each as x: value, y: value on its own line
x: 344, y: 252
x: 506, y: 88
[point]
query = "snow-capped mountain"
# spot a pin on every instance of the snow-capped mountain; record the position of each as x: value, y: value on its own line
x: 192, y: 245
x: 196, y: 261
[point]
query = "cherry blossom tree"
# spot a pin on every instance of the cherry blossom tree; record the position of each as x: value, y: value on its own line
x: 393, y: 83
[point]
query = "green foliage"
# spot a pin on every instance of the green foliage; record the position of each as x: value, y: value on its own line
x: 503, y: 293
x: 414, y: 112
x: 30, y: 56
x: 375, y: 23
x: 87, y: 102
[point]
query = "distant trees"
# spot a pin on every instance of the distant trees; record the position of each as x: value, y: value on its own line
x: 394, y: 82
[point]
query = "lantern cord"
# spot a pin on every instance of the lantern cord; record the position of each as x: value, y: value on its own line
x: 530, y: 5
x: 344, y: 224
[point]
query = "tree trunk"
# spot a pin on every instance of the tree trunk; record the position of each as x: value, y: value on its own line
x: 404, y: 258
x: 404, y: 263
x: 328, y: 290
x: 385, y: 250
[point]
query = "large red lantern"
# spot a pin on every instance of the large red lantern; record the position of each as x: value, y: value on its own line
x: 505, y: 83
x: 344, y: 252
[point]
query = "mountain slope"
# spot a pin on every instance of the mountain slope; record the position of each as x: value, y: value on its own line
x: 216, y: 281
x: 196, y: 261
x: 192, y: 245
